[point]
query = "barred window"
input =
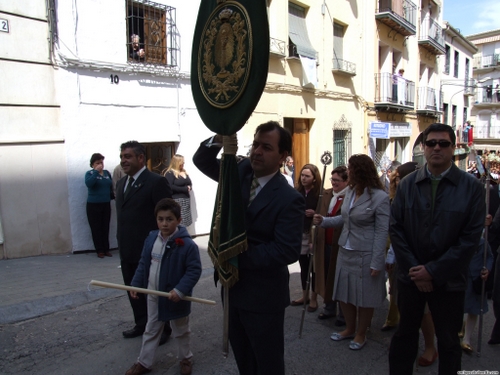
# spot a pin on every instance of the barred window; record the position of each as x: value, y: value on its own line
x: 341, y: 141
x: 159, y: 156
x: 447, y: 60
x: 152, y: 35
x: 456, y: 64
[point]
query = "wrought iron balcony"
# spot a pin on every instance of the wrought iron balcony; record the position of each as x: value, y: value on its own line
x: 429, y: 101
x: 487, y: 96
x: 485, y: 130
x: 431, y: 36
x: 344, y: 67
x: 277, y: 47
x: 486, y: 61
x: 399, y: 15
x: 393, y: 92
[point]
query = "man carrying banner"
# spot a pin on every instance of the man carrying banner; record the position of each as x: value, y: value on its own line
x: 273, y: 214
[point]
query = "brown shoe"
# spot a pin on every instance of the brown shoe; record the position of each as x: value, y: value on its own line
x: 137, y: 369
x: 108, y: 254
x: 100, y: 255
x: 186, y: 367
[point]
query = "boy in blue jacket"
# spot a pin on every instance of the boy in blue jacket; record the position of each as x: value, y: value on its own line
x: 170, y: 262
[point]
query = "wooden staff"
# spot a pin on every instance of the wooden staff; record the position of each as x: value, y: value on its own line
x: 147, y: 291
x: 326, y: 159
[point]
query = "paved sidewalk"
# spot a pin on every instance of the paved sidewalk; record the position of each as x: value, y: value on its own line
x: 36, y: 286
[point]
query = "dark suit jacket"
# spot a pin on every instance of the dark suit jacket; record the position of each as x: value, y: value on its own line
x: 273, y: 225
x: 135, y: 214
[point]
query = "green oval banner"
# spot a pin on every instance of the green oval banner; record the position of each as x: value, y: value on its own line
x: 230, y: 59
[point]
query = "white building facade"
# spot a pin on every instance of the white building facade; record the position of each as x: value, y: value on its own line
x: 75, y: 88
x: 486, y: 107
x: 458, y: 87
x: 34, y: 205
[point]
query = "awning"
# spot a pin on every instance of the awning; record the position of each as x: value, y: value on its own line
x: 297, y: 31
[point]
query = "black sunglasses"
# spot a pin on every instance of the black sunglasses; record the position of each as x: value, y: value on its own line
x: 433, y: 143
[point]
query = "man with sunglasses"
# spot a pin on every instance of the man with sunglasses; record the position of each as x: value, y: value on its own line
x: 437, y: 218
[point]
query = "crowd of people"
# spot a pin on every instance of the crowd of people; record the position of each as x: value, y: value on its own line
x: 423, y: 231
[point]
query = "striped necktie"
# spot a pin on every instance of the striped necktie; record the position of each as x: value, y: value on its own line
x: 253, y: 189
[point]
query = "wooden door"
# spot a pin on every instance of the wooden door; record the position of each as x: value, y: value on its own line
x: 300, y: 148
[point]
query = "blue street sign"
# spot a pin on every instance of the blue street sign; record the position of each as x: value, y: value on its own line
x: 379, y: 130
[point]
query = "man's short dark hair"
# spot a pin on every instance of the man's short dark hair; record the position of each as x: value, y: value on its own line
x: 285, y: 142
x: 136, y: 146
x: 437, y: 127
x: 95, y: 157
x: 168, y: 204
x: 341, y: 170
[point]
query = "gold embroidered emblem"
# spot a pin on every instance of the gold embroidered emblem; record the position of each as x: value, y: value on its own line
x: 225, y: 54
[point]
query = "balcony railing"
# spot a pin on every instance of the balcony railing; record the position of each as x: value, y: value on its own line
x: 395, y: 90
x: 487, y: 95
x: 277, y: 47
x: 486, y: 61
x: 485, y: 130
x: 429, y: 99
x: 431, y: 36
x: 344, y: 67
x: 400, y: 15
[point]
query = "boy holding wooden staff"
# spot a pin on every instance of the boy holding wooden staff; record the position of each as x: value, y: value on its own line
x: 170, y: 262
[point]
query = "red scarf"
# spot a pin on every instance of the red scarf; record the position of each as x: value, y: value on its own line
x: 329, y: 231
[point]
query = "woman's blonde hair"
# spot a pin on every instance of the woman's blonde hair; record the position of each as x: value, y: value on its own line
x: 175, y: 165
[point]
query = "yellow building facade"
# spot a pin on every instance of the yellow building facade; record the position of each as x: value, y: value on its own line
x: 333, y: 77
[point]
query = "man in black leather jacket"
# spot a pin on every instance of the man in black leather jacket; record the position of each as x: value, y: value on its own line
x: 437, y: 218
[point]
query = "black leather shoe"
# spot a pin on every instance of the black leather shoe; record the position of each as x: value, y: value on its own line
x: 164, y: 338
x: 387, y: 327
x: 493, y: 341
x: 134, y: 332
x: 339, y: 323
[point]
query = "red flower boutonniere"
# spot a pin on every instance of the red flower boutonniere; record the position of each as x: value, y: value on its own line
x: 179, y: 242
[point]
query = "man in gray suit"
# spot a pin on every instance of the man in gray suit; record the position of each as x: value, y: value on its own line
x: 136, y: 197
x: 437, y: 218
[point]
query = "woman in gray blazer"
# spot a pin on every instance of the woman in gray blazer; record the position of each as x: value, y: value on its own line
x: 360, y: 278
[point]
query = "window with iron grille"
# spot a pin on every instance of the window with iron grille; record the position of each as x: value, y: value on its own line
x: 467, y: 67
x: 445, y: 113
x: 152, y: 35
x: 447, y: 60
x: 341, y: 142
x: 455, y: 66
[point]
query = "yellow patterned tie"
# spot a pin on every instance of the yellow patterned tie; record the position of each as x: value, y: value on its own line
x: 253, y: 189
